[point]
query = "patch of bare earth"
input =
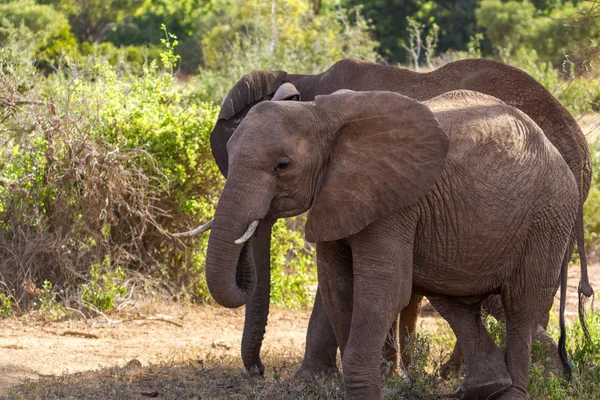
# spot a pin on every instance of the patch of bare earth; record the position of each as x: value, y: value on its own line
x: 170, y: 352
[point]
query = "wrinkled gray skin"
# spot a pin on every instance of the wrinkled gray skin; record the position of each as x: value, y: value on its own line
x: 456, y: 198
x: 504, y: 82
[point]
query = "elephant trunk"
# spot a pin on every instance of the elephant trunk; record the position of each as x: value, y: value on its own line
x: 230, y: 268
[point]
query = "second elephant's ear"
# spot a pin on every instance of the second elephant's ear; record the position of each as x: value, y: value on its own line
x: 386, y: 152
x: 288, y: 92
x: 251, y: 89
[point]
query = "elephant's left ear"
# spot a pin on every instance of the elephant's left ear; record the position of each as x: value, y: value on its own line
x: 386, y: 152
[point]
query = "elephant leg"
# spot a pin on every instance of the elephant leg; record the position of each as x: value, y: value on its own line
x: 494, y: 307
x: 382, y: 266
x: 452, y: 366
x: 485, y: 370
x: 408, y: 325
x: 321, y: 346
x: 257, y: 308
x: 389, y: 363
x: 334, y: 260
x: 527, y: 297
x: 549, y: 350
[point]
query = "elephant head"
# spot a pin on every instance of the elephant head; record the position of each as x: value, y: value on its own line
x: 348, y: 157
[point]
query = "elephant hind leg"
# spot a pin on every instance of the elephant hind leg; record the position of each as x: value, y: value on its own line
x: 527, y: 297
x: 408, y: 325
x: 389, y: 364
x: 486, y: 372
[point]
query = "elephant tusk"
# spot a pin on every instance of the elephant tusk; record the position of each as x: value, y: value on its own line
x: 198, y: 230
x: 249, y: 232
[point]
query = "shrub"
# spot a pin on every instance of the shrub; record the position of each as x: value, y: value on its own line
x: 6, y: 306
x: 104, y: 286
x: 557, y: 34
x: 101, y: 168
x: 50, y: 30
x: 252, y: 35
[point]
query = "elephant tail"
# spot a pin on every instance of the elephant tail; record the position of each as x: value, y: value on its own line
x: 584, y: 290
x: 562, y: 341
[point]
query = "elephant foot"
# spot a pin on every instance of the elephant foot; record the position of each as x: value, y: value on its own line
x: 486, y: 378
x: 449, y: 369
x: 513, y: 393
x: 310, y: 370
x: 256, y: 370
x: 546, y: 352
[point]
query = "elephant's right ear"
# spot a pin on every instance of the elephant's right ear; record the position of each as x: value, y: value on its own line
x: 386, y: 151
x: 251, y: 89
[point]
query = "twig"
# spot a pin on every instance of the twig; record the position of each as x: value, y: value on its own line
x: 146, y: 319
x: 73, y: 333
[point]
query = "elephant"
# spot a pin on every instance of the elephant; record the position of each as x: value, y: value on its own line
x: 509, y: 84
x: 457, y: 198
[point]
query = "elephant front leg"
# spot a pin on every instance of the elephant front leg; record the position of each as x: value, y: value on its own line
x: 321, y: 346
x: 382, y: 266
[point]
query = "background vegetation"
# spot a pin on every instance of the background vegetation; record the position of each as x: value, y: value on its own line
x: 106, y: 109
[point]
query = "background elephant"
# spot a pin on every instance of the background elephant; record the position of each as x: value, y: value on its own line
x: 509, y: 84
x: 457, y: 198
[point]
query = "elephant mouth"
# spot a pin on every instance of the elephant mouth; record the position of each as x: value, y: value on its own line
x: 288, y: 206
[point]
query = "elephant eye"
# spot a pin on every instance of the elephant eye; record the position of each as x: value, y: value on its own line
x: 282, y: 165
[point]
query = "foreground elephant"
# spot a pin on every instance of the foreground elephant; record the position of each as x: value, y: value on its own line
x: 456, y: 198
x: 502, y: 81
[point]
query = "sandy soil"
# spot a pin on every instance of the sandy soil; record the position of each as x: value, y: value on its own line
x: 31, y: 349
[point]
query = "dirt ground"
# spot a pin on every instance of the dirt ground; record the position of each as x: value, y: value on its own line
x: 163, y: 334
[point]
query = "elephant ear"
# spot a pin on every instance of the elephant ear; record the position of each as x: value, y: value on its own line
x: 251, y: 89
x: 386, y: 152
x: 287, y: 91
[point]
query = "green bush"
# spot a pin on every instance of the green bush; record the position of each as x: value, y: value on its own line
x: 50, y: 29
x: 248, y: 36
x: 591, y: 208
x: 293, y: 270
x: 506, y: 23
x: 104, y: 286
x: 6, y: 306
x: 579, y: 95
x: 102, y: 167
x: 556, y: 34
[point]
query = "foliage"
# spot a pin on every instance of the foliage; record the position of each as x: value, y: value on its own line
x: 101, y: 168
x: 48, y: 304
x: 555, y: 35
x: 47, y: 28
x: 6, y: 306
x: 279, y: 35
x: 591, y: 208
x: 293, y: 269
x: 391, y: 22
x: 90, y: 19
x: 585, y: 359
x: 579, y: 94
x: 505, y: 23
x: 104, y: 286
